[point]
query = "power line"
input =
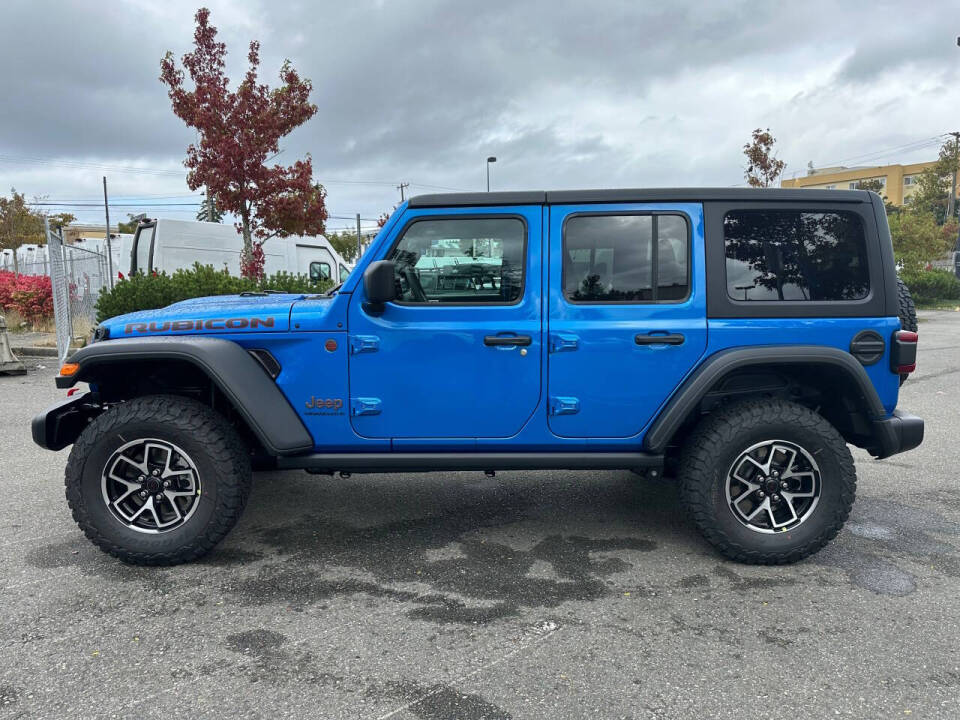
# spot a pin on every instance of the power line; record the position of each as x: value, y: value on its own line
x: 25, y: 159
x: 877, y: 154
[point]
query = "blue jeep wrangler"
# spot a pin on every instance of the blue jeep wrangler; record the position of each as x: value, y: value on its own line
x: 739, y: 339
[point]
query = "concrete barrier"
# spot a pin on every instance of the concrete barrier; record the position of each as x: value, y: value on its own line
x: 9, y: 363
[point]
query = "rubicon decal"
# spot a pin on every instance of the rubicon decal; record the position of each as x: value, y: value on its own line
x: 236, y: 323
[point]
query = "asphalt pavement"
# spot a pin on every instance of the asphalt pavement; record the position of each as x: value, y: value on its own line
x: 527, y: 595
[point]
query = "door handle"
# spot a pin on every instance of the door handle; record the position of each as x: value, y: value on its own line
x: 669, y: 339
x: 504, y: 340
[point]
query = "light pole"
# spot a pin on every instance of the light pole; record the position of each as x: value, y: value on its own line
x: 490, y: 159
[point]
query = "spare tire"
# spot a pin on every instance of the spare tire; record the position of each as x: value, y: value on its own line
x: 907, y: 312
x: 906, y: 309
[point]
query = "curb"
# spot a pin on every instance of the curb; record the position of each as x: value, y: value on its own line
x: 35, y: 351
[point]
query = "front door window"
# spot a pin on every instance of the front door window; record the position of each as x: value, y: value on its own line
x: 451, y: 260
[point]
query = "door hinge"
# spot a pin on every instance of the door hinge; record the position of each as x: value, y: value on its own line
x: 364, y: 344
x: 365, y: 406
x: 564, y: 405
x: 563, y: 342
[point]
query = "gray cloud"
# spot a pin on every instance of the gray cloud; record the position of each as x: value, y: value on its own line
x: 565, y: 93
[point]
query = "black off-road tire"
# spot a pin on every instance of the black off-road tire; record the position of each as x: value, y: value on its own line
x: 906, y: 308
x: 222, y: 462
x: 718, y: 441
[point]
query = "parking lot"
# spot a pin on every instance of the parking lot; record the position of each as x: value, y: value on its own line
x: 526, y: 595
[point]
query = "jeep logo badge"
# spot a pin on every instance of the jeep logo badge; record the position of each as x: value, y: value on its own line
x: 331, y: 403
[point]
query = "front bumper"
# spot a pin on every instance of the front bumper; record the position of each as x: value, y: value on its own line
x: 896, y: 434
x: 61, y: 424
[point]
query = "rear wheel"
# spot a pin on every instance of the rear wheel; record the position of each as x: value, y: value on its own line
x: 158, y: 480
x: 767, y: 481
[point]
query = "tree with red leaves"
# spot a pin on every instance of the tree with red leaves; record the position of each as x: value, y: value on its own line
x: 763, y: 166
x: 239, y: 132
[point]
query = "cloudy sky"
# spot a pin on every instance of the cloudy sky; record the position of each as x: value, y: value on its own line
x: 567, y: 94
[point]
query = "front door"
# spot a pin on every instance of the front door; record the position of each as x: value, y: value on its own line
x: 458, y: 354
x: 627, y: 317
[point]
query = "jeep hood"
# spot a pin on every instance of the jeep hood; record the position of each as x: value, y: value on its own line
x: 208, y: 315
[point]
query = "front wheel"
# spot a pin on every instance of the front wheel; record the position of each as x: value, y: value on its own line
x: 158, y: 480
x: 767, y: 481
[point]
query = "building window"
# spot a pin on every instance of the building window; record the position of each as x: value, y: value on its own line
x: 858, y: 184
x: 626, y: 258
x: 795, y: 255
x: 831, y: 187
x: 909, y: 180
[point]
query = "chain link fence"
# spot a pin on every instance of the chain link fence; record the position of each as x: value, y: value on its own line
x: 77, y: 276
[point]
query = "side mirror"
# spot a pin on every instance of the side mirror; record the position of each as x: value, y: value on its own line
x: 379, y: 284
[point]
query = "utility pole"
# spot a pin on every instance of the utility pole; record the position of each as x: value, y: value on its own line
x: 951, y: 203
x: 358, y: 236
x: 401, y: 187
x: 106, y: 211
x: 210, y: 217
x: 490, y: 159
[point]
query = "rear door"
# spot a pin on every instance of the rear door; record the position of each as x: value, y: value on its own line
x: 627, y: 313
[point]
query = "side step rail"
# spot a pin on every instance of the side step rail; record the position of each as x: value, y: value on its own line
x: 428, y: 462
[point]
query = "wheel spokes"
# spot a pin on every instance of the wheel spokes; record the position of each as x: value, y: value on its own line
x: 158, y: 472
x: 773, y: 486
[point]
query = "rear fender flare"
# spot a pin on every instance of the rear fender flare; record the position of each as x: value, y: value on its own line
x: 715, y: 367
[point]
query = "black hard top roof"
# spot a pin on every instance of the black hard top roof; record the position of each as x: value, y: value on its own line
x: 577, y: 197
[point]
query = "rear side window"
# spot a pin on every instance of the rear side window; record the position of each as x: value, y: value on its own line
x: 625, y: 258
x: 795, y: 255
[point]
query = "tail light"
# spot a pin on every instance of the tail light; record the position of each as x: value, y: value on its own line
x: 903, y: 352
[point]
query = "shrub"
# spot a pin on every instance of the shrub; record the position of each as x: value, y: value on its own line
x: 30, y: 296
x: 932, y: 285
x: 147, y: 292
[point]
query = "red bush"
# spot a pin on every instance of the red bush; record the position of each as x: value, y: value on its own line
x: 29, y: 295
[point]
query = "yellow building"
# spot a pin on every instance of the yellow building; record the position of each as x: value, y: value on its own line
x: 898, y: 181
x: 75, y: 230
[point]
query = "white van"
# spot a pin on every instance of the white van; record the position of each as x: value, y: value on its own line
x: 120, y: 245
x: 168, y: 245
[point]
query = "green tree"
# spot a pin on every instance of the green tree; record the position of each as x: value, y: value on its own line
x: 130, y: 226
x: 209, y: 212
x: 934, y: 185
x: 345, y: 243
x: 917, y: 239
x: 19, y: 223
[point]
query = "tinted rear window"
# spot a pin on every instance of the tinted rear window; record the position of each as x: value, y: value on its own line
x: 613, y: 258
x: 795, y: 255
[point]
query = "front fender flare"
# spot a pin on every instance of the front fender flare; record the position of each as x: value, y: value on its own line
x: 241, y: 379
